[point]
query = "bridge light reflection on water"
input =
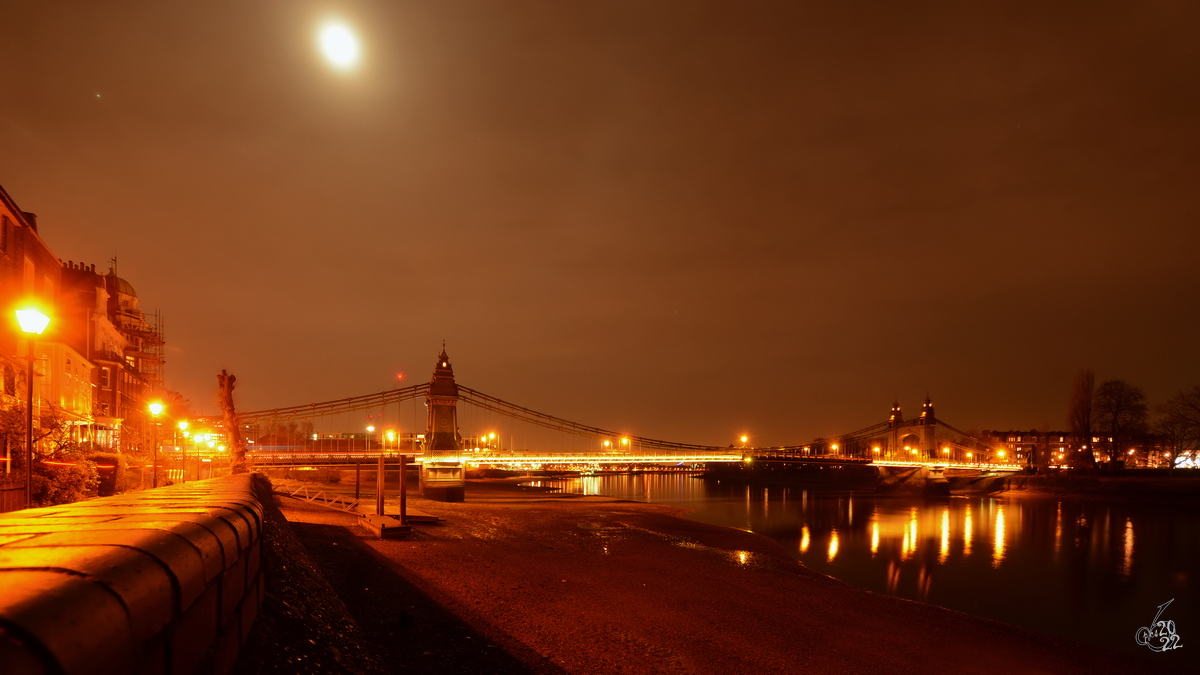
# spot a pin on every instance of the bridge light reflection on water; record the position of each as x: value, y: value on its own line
x: 1085, y: 569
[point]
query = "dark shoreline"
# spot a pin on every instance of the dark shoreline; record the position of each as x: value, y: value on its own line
x: 521, y: 571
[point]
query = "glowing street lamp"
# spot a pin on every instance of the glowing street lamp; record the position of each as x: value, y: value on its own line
x: 155, y: 409
x: 32, y: 323
x: 370, y: 430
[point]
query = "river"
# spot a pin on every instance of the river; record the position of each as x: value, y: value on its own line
x: 1089, y: 569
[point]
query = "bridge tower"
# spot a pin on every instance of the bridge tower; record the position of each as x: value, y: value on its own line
x: 442, y: 474
x: 919, y: 434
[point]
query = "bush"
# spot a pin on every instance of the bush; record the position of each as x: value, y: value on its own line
x: 55, y: 484
x: 111, y: 480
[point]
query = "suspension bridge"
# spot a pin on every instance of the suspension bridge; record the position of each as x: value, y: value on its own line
x: 504, y: 434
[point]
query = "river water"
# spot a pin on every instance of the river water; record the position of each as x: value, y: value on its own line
x: 1092, y: 570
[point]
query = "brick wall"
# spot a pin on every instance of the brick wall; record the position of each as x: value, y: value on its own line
x: 161, y: 581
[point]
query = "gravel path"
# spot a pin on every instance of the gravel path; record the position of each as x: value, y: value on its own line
x: 512, y: 582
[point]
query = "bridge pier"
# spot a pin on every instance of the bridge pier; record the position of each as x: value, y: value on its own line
x: 443, y: 482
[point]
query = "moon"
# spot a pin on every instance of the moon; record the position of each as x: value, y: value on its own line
x: 339, y: 44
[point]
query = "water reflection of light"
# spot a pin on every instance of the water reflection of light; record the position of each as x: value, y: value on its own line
x: 851, y: 513
x: 967, y: 531
x: 804, y: 539
x: 893, y: 576
x: 998, y: 549
x: 742, y: 557
x: 912, y: 526
x: 1127, y: 566
x: 1057, y: 530
x: 591, y: 485
x: 945, y: 550
x: 833, y: 545
x: 874, y: 538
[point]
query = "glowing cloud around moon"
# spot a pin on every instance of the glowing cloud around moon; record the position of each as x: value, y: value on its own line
x: 339, y: 44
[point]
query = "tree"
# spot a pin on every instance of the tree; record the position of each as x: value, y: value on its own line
x: 1079, y: 419
x: 62, y: 472
x: 1120, y: 410
x: 1179, y: 423
x: 237, y: 459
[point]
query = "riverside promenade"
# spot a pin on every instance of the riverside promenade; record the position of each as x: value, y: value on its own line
x: 514, y: 581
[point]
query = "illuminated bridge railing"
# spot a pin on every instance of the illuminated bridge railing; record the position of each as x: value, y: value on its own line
x: 599, y: 458
x: 293, y: 458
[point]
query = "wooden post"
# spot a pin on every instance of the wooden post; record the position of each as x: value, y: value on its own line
x: 357, y: 481
x: 403, y: 490
x: 379, y: 484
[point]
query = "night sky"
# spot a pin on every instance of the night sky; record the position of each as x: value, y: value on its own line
x: 685, y: 220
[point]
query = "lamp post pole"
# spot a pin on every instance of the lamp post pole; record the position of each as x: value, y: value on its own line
x: 155, y: 409
x: 29, y: 428
x: 155, y: 432
x: 32, y: 322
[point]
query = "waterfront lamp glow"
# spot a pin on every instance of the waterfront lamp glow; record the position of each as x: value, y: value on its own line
x: 33, y: 323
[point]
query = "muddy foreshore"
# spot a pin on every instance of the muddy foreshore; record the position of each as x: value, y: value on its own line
x: 519, y: 581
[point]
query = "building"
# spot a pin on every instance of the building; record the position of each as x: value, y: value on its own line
x: 1032, y: 448
x: 100, y: 359
x: 106, y: 323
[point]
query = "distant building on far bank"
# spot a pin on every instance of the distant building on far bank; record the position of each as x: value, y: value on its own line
x: 1052, y: 449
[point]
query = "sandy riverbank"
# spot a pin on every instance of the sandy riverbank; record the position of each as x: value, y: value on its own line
x: 593, y: 585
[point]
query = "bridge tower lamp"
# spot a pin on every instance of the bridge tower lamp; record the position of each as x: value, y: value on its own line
x: 32, y: 323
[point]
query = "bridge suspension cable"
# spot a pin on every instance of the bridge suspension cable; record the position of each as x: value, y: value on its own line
x: 327, y: 408
x: 514, y: 411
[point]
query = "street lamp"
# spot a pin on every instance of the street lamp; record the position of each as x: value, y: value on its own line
x: 155, y: 409
x: 183, y: 429
x: 370, y: 430
x: 32, y: 322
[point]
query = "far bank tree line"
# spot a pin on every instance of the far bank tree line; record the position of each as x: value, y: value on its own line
x: 1116, y: 413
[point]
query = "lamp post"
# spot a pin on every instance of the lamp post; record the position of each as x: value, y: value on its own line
x: 183, y: 428
x: 370, y: 432
x: 156, y: 409
x: 32, y: 323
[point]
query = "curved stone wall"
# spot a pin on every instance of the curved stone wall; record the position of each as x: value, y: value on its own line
x: 159, y: 581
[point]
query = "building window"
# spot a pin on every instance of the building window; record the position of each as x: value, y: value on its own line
x: 105, y: 378
x: 104, y: 409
